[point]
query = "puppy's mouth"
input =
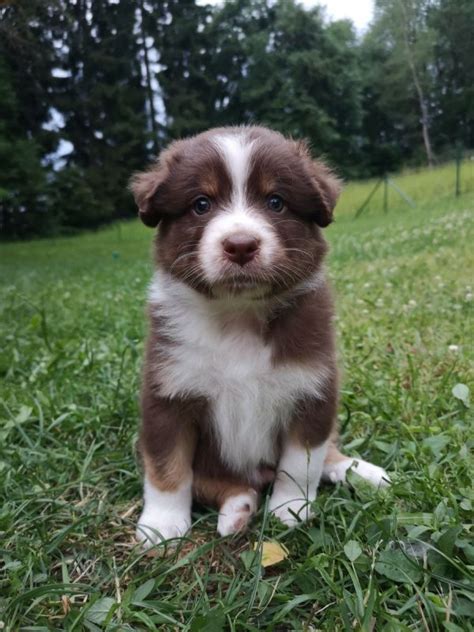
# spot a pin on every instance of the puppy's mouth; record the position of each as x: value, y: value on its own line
x: 242, y: 284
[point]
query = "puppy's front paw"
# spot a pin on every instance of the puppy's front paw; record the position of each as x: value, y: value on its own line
x: 290, y: 510
x: 154, y: 528
x: 235, y: 513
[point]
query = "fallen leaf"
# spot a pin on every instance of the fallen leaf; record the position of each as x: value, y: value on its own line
x: 272, y: 553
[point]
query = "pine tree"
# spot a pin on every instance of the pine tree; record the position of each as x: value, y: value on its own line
x: 26, y: 60
x: 452, y: 21
x: 281, y: 65
x: 185, y: 80
x: 103, y: 103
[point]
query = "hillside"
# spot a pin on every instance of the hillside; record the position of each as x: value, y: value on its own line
x: 72, y: 325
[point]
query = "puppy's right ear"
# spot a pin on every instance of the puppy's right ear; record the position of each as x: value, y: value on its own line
x: 145, y: 187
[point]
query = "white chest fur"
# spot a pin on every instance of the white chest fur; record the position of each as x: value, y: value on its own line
x: 250, y: 397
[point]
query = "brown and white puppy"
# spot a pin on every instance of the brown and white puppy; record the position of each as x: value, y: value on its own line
x: 240, y: 378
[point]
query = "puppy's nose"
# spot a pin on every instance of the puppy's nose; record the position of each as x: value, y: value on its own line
x: 240, y: 248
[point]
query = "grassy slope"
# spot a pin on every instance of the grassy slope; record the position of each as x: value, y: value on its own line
x: 73, y: 326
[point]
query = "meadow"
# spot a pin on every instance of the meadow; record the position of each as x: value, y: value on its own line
x: 72, y: 329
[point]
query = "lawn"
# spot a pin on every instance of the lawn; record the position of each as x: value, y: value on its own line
x: 72, y: 328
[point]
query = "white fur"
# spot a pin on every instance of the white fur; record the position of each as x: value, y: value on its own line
x: 236, y: 220
x: 296, y: 485
x: 238, y: 216
x: 165, y: 515
x: 250, y: 397
x: 336, y: 472
x: 236, y: 151
x: 236, y: 512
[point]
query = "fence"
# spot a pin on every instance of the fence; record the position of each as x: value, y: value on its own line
x: 414, y: 187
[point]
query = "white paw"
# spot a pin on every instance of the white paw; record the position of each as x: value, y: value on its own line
x: 154, y: 528
x: 336, y: 472
x: 290, y: 510
x: 235, y: 513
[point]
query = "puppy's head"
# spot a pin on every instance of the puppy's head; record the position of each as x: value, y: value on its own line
x: 240, y: 210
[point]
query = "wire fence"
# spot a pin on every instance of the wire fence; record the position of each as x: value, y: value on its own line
x: 449, y: 180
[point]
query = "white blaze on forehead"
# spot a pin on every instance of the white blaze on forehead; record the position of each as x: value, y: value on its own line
x: 236, y: 152
x: 237, y: 216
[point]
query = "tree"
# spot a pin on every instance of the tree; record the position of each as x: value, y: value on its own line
x: 403, y: 26
x: 90, y: 90
x: 186, y: 86
x: 102, y: 100
x: 390, y: 127
x: 145, y: 19
x: 26, y: 58
x: 452, y: 21
x: 280, y: 65
x: 23, y: 182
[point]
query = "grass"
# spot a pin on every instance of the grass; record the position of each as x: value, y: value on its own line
x: 73, y: 325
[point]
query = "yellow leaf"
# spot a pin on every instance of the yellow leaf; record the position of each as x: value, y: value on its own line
x: 272, y: 553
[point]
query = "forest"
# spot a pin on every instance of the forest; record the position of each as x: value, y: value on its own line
x: 91, y: 90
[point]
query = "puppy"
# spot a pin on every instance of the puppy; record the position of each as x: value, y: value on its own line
x: 240, y: 381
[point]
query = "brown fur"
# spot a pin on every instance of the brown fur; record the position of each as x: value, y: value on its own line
x: 167, y: 446
x: 215, y: 491
x: 301, y: 333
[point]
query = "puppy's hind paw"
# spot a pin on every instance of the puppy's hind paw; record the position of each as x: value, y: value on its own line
x: 373, y: 474
x: 236, y: 511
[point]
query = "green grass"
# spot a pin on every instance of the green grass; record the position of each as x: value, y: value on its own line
x: 72, y: 321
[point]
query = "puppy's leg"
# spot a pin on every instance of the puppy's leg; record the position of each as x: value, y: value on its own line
x: 301, y: 462
x: 167, y: 445
x: 336, y: 465
x: 237, y: 502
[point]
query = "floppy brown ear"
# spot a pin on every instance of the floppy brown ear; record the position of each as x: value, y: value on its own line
x: 326, y: 186
x: 144, y: 186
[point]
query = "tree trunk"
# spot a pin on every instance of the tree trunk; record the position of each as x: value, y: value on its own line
x: 149, y: 88
x: 424, y: 114
x: 421, y: 97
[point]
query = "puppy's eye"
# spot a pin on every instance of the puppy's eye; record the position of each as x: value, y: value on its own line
x: 275, y: 203
x: 202, y: 205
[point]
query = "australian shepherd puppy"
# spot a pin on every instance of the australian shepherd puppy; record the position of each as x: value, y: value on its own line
x: 240, y: 384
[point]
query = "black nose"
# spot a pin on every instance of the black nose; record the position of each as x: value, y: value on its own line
x: 240, y: 248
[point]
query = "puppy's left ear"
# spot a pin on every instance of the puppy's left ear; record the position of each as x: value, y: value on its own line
x: 144, y: 186
x: 327, y: 187
x: 325, y: 184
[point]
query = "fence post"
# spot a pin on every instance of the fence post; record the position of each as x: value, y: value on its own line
x: 458, y: 169
x: 367, y: 200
